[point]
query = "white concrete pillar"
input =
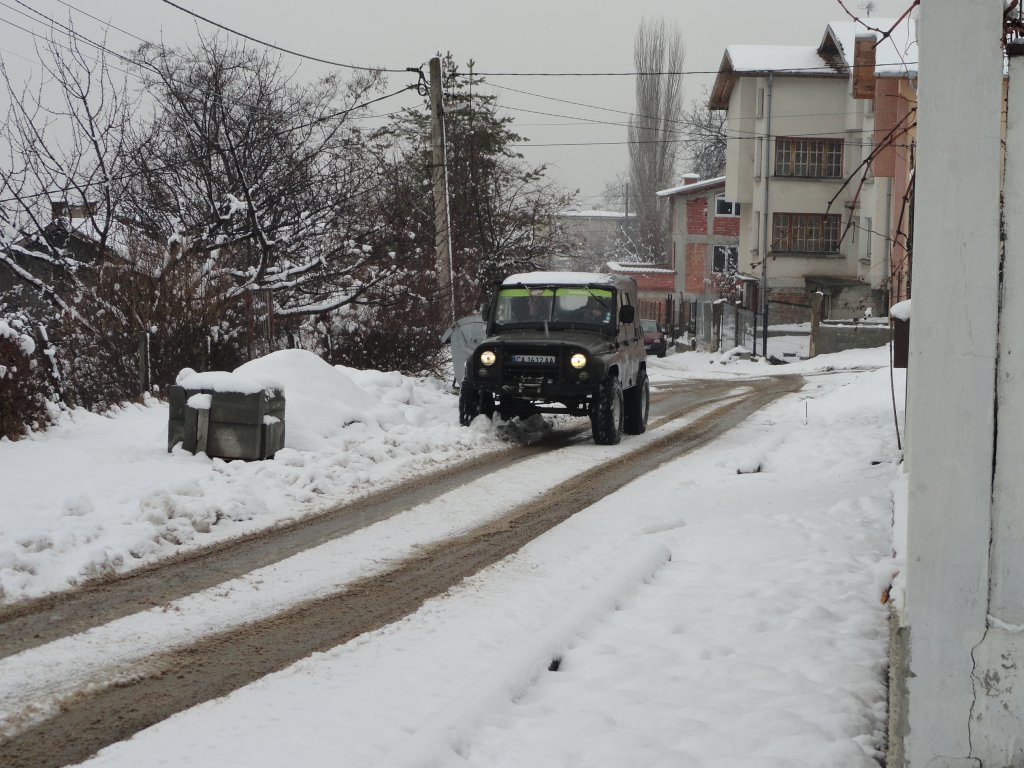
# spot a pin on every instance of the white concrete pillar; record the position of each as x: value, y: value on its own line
x: 997, y: 726
x: 951, y: 387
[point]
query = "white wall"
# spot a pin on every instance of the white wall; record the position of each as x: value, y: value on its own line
x: 800, y: 106
x: 950, y: 410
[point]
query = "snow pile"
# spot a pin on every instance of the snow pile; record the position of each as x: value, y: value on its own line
x: 96, y: 495
x: 900, y: 311
x: 320, y: 400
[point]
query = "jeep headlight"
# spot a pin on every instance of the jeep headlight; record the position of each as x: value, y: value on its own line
x: 487, y: 357
x: 578, y: 360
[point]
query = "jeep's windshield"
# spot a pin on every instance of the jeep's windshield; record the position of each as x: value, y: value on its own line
x: 524, y: 306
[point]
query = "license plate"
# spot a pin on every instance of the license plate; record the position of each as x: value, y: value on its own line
x: 542, y: 359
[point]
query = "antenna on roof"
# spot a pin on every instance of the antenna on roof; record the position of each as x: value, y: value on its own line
x: 867, y: 7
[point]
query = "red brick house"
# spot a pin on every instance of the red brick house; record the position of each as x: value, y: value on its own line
x: 705, y: 231
x: 655, y: 288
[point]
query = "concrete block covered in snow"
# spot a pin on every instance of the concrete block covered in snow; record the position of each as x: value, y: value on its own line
x: 233, y: 425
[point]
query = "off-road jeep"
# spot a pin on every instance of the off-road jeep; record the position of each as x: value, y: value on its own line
x: 562, y: 342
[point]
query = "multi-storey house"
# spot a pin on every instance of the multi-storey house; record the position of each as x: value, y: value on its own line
x: 818, y: 160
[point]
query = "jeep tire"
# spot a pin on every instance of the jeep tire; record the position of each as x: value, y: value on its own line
x: 473, y: 402
x: 606, y: 412
x: 637, y: 404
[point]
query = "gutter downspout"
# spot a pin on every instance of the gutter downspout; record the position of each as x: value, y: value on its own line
x: 765, y: 173
x: 887, y: 255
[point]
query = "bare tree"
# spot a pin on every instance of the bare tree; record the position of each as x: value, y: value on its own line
x: 255, y: 180
x: 704, y: 139
x: 653, y: 128
x: 66, y: 141
x: 63, y: 188
x: 615, y: 194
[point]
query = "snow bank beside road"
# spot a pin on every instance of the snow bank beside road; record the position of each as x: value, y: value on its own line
x: 96, y: 495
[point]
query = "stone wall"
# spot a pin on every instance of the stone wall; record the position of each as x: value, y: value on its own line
x: 837, y: 337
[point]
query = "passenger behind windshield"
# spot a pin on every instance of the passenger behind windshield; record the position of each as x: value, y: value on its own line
x: 562, y: 306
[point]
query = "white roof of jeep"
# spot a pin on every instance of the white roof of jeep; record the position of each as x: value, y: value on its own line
x: 560, y: 278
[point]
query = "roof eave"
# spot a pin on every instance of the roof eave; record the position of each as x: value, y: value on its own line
x: 724, y: 81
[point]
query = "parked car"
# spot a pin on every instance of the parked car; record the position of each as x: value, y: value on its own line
x: 561, y: 342
x: 654, y: 338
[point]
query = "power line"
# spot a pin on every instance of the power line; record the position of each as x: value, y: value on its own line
x: 164, y: 169
x: 624, y: 112
x: 734, y: 134
x: 822, y: 69
x: 106, y: 24
x: 69, y: 31
x: 73, y: 34
x: 279, y: 48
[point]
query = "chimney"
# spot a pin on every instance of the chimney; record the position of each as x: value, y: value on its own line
x: 690, y: 178
x: 864, y: 66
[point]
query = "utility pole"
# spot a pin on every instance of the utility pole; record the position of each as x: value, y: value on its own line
x: 442, y: 221
x: 765, y: 224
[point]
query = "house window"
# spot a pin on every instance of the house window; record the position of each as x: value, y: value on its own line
x: 725, y: 207
x: 809, y: 158
x: 725, y: 259
x: 758, y: 161
x: 806, y: 233
x: 867, y: 238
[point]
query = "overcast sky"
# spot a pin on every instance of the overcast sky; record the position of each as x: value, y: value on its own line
x: 521, y: 36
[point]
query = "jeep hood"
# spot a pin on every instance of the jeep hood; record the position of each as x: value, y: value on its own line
x: 560, y: 337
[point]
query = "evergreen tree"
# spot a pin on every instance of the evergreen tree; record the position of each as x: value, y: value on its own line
x: 500, y: 205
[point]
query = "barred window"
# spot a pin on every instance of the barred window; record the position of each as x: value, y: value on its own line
x: 810, y: 158
x: 806, y: 233
x: 725, y: 259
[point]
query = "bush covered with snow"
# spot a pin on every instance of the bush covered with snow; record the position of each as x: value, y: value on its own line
x: 24, y: 394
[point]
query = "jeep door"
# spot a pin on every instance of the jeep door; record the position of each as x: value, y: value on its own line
x: 630, y: 341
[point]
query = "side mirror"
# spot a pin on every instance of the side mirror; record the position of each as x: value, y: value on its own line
x: 485, y: 311
x: 627, y: 314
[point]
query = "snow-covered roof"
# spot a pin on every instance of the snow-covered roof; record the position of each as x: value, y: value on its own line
x: 802, y: 59
x: 118, y: 235
x: 718, y: 181
x: 558, y: 278
x: 647, y: 269
x: 896, y: 55
x: 595, y: 214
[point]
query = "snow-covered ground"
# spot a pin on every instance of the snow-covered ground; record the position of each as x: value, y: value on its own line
x: 100, y: 494
x: 706, y: 615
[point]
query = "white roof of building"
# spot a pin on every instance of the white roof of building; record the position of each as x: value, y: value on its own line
x: 694, y: 187
x: 895, y: 55
x: 617, y: 266
x: 802, y: 59
x: 594, y: 214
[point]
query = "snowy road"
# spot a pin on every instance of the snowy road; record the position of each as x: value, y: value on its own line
x: 334, y: 578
